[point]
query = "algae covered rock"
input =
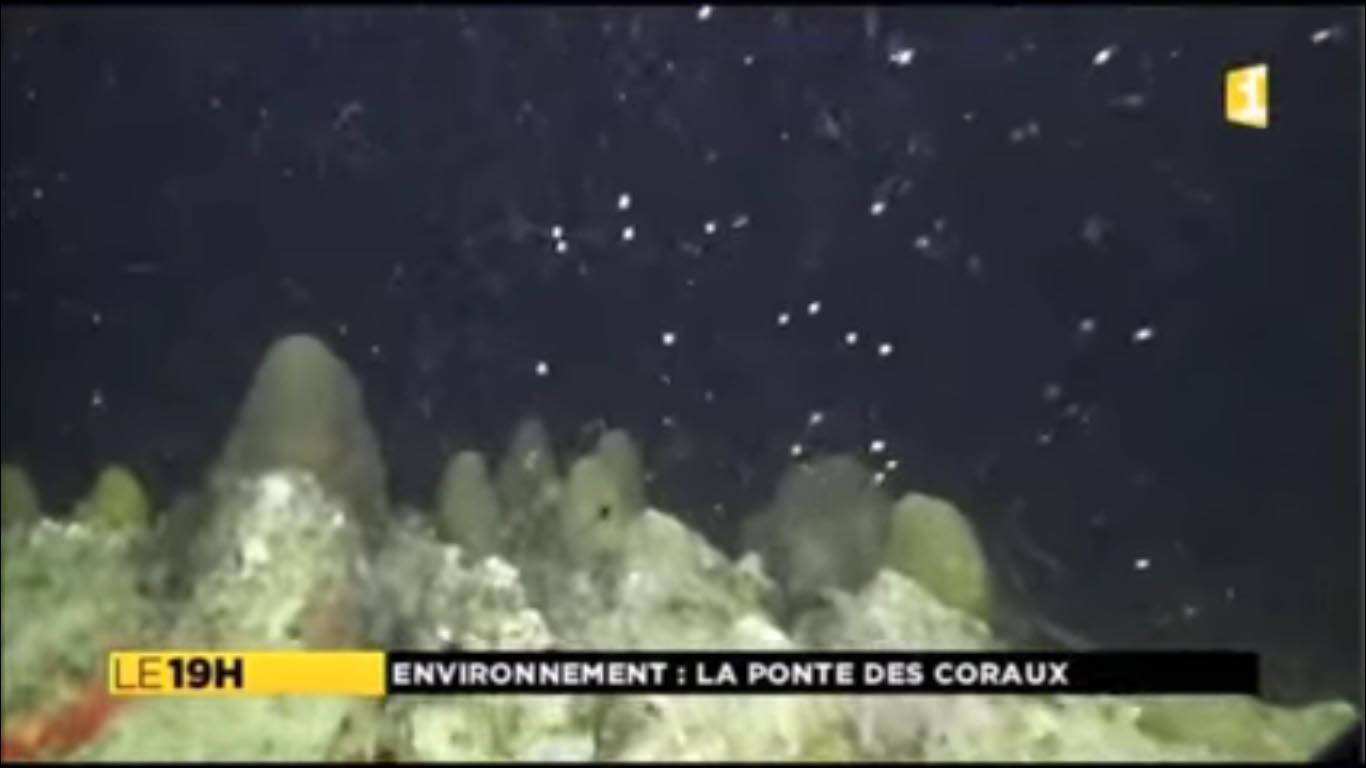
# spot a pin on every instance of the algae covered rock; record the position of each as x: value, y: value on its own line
x: 482, y: 607
x: 467, y: 506
x: 698, y: 608
x: 19, y: 501
x: 826, y: 528
x: 117, y: 501
x: 71, y: 594
x: 893, y: 612
x: 306, y: 729
x: 725, y: 728
x: 448, y: 602
x: 1013, y: 729
x: 671, y: 590
x: 492, y: 728
x: 280, y: 564
x: 304, y: 412
x: 935, y: 544
x: 622, y: 458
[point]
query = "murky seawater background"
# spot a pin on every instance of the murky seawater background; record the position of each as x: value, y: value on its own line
x: 1013, y: 257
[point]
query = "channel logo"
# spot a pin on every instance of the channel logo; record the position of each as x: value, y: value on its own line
x: 1245, y: 91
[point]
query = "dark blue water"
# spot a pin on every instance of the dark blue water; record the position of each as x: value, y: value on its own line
x: 1107, y: 324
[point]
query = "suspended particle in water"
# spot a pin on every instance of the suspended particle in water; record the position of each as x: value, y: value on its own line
x: 1328, y: 35
x: 1029, y: 130
x: 1095, y: 230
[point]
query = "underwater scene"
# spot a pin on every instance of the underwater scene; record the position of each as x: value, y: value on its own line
x: 715, y: 328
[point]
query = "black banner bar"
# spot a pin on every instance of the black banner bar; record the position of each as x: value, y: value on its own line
x: 1118, y: 672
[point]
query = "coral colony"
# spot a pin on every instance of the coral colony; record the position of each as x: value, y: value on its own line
x: 292, y: 543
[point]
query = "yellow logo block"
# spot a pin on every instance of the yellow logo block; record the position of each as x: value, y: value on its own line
x: 1245, y: 96
x: 251, y: 673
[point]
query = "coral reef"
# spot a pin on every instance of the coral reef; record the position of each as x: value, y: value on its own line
x: 287, y: 548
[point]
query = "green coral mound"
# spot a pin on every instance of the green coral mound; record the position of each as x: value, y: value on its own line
x: 594, y: 515
x: 826, y: 528
x: 467, y: 506
x: 528, y: 466
x: 935, y: 544
x: 304, y: 412
x: 528, y: 481
x: 19, y: 501
x: 622, y: 457
x: 117, y: 501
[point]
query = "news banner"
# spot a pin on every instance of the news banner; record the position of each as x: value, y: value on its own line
x: 395, y: 673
